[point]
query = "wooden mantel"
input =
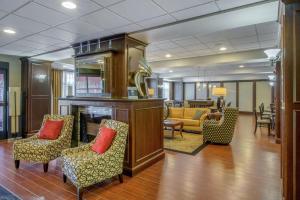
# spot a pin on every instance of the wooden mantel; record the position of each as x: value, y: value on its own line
x: 144, y: 116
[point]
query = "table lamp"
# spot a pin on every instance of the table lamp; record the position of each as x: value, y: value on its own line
x: 151, y: 92
x: 220, y: 92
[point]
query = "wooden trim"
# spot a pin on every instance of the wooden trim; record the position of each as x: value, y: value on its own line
x: 254, y: 95
x: 237, y: 94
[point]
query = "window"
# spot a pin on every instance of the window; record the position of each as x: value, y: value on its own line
x: 201, y: 90
x: 189, y: 91
x: 166, y: 90
x: 178, y: 96
x: 231, y: 93
x: 68, y: 84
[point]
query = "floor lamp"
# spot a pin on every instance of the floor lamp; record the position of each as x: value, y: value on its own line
x: 220, y: 92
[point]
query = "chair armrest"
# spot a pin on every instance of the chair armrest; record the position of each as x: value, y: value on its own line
x: 76, y: 149
x: 211, y: 122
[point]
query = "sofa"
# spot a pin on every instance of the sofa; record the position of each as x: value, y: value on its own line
x: 187, y: 116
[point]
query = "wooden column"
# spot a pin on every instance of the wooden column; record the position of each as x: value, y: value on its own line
x: 291, y: 97
x: 277, y: 101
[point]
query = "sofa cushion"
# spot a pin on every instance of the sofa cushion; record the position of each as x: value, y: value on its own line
x: 176, y: 112
x: 198, y: 114
x: 189, y: 113
x: 104, y: 140
x: 51, y: 129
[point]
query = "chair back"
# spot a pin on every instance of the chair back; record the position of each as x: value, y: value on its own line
x: 119, y: 144
x: 66, y: 131
x: 230, y: 118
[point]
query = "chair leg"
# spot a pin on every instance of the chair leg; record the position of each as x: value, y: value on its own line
x: 120, y: 178
x: 79, y: 193
x: 64, y: 178
x: 45, y: 165
x: 17, y: 164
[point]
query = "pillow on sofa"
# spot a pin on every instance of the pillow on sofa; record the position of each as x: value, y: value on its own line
x: 198, y: 114
x: 104, y: 140
x: 51, y: 129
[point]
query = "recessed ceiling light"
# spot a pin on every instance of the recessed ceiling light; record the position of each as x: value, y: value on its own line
x: 223, y: 49
x: 9, y: 31
x: 170, y: 71
x: 168, y: 55
x: 242, y: 66
x: 69, y: 4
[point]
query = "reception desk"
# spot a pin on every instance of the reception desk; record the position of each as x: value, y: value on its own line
x: 144, y: 116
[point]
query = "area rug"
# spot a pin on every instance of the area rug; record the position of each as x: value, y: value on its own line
x: 7, y: 195
x: 191, y: 143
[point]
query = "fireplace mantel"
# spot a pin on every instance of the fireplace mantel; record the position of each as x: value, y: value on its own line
x: 144, y: 116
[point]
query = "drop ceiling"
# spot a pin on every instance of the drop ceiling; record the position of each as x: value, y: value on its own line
x: 44, y: 25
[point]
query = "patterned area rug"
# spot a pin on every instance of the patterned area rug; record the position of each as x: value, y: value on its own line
x: 7, y: 195
x: 191, y: 143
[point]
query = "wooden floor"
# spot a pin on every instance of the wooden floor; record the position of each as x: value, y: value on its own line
x: 249, y: 168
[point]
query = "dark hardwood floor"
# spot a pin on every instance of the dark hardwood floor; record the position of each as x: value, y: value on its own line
x: 249, y: 168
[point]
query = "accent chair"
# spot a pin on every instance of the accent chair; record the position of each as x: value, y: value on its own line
x: 221, y: 132
x: 42, y: 150
x: 84, y: 167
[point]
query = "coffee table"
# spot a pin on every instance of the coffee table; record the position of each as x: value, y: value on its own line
x: 172, y: 124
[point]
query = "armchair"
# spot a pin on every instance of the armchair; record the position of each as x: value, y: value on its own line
x: 84, y: 167
x: 41, y: 150
x: 221, y: 132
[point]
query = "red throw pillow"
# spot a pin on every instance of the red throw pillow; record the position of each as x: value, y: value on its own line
x: 51, y: 129
x: 104, y: 140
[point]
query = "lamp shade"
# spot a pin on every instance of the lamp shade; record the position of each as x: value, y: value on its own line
x: 151, y: 91
x: 219, y: 91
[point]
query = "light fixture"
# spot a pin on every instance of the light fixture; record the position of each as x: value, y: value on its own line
x: 271, y: 84
x: 272, y: 53
x: 170, y: 71
x: 69, y: 4
x: 242, y: 66
x: 223, y: 49
x: 168, y: 55
x: 9, y: 31
x: 214, y: 86
x: 271, y: 77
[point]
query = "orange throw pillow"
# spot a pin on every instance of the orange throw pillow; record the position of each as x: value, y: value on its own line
x: 104, y: 140
x: 51, y: 129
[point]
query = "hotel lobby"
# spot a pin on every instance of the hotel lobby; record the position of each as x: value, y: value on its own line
x: 149, y: 99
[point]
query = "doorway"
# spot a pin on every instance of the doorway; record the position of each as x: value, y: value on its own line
x: 3, y: 99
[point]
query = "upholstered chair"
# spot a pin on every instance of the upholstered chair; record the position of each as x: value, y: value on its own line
x: 221, y: 132
x: 84, y: 167
x: 42, y: 150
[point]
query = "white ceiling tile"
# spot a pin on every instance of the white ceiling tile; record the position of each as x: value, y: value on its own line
x: 79, y: 27
x: 83, y: 7
x: 44, y: 39
x: 5, y: 39
x: 268, y: 36
x: 269, y: 27
x: 22, y: 25
x: 196, y: 47
x: 42, y: 14
x: 156, y: 21
x: 2, y: 13
x: 226, y: 4
x: 30, y: 43
x: 217, y: 45
x: 167, y: 45
x: 176, y: 5
x: 9, y: 52
x: 248, y: 46
x: 243, y: 40
x: 196, y: 11
x: 137, y: 10
x: 240, y: 32
x: 61, y: 34
x: 106, y: 3
x: 213, y: 37
x: 186, y: 41
x: 17, y: 47
x: 105, y: 19
x: 176, y: 50
x: 127, y: 29
x: 10, y: 5
x: 268, y: 44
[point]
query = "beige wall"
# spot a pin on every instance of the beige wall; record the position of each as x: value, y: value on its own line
x: 14, y: 69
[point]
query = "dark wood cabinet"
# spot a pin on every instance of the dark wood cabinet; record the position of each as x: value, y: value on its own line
x: 36, y: 94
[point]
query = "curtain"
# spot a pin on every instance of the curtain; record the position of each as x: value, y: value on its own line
x: 56, y: 89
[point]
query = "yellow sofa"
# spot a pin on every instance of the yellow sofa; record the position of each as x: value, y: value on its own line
x: 186, y: 116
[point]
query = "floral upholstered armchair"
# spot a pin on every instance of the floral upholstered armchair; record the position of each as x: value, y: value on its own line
x: 221, y: 132
x: 42, y: 150
x: 85, y: 167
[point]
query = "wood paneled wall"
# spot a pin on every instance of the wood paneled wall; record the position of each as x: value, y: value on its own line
x: 291, y: 100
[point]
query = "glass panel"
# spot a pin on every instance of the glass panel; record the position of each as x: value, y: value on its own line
x: 178, y: 91
x: 68, y: 84
x: 201, y: 91
x: 189, y: 91
x: 1, y: 118
x: 210, y: 86
x: 166, y: 90
x: 93, y: 75
x: 231, y: 93
x: 2, y: 86
x: 246, y: 96
x: 263, y: 94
